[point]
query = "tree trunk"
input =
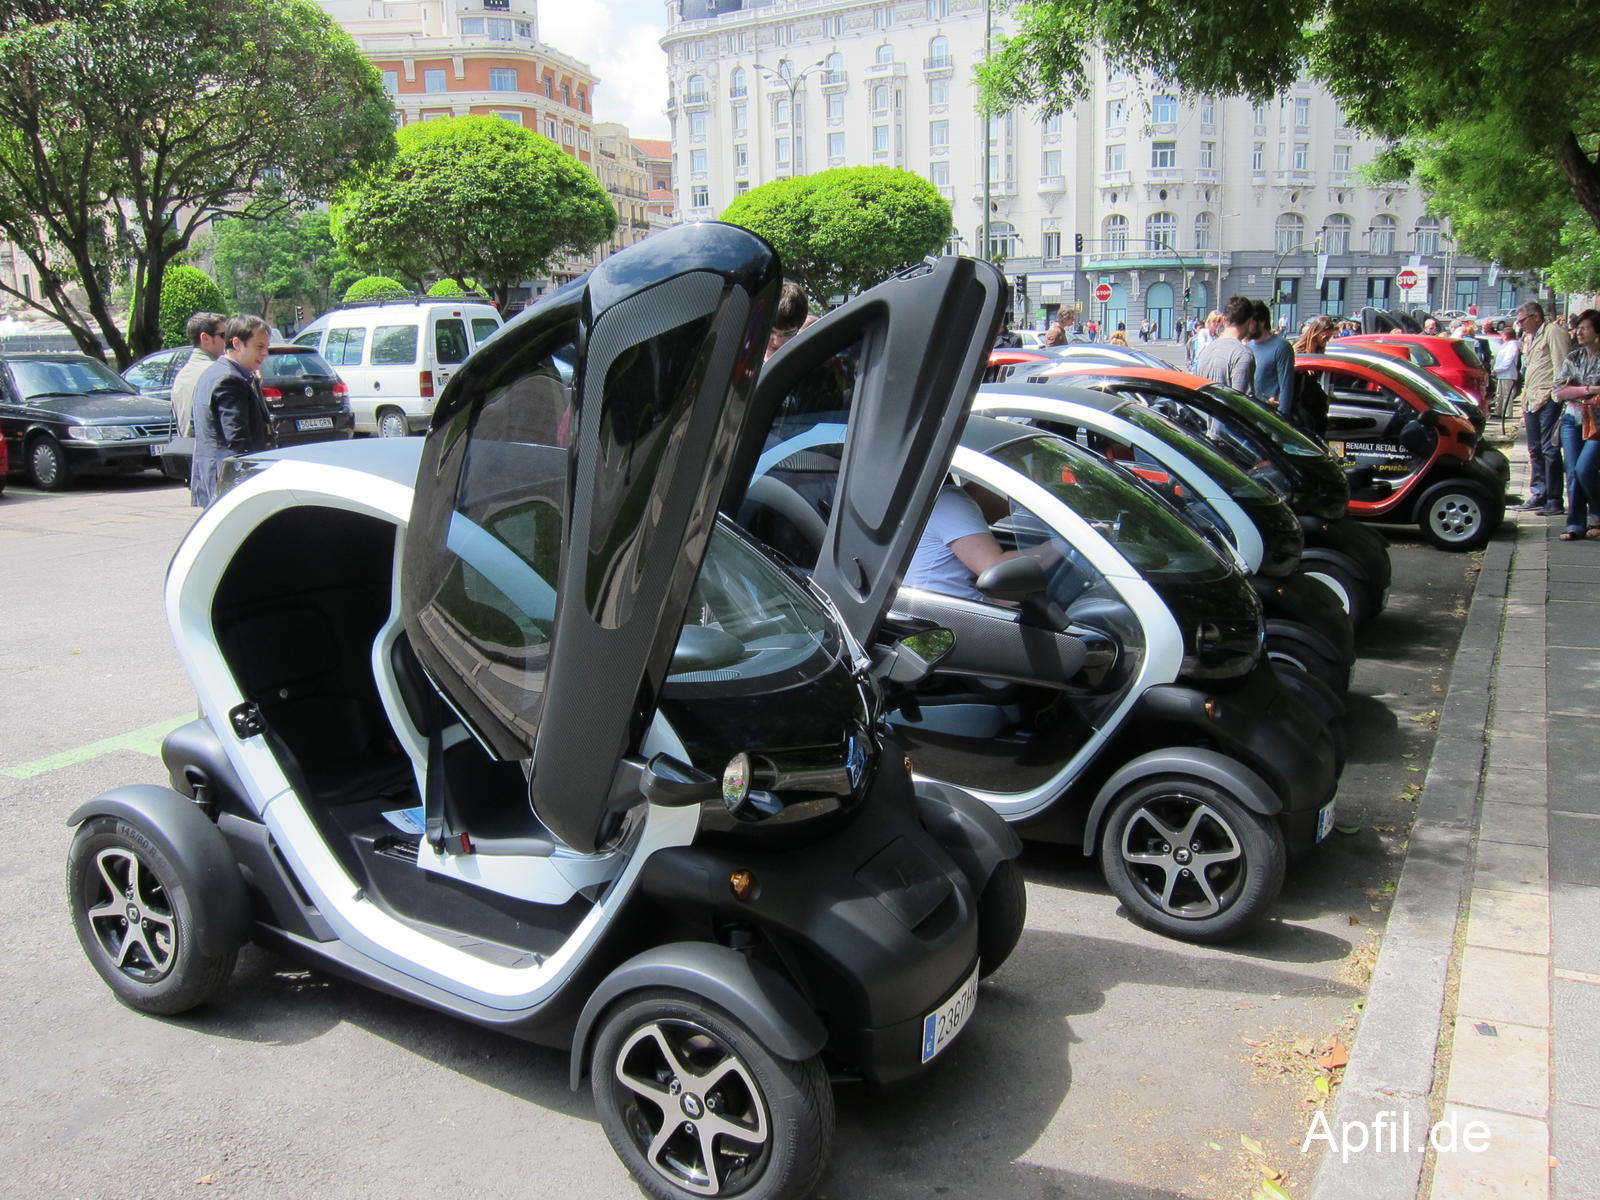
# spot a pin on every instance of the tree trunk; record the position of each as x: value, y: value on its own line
x: 1584, y: 175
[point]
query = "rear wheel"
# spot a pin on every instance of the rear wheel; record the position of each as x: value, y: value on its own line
x: 1190, y: 860
x: 1296, y: 653
x: 1457, y: 516
x: 48, y: 469
x: 1002, y: 912
x: 1344, y: 585
x: 392, y: 423
x: 695, y: 1105
x: 137, y: 918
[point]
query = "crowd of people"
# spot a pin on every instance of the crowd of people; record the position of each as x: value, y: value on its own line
x: 1242, y: 348
x: 216, y: 397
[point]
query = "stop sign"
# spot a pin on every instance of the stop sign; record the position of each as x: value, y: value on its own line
x: 1103, y: 292
x: 1408, y: 278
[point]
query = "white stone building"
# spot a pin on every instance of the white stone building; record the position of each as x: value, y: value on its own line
x: 1168, y: 193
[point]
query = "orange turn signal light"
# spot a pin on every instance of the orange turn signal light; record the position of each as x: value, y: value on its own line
x: 743, y: 884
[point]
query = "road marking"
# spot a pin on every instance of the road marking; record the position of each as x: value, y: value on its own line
x: 141, y: 741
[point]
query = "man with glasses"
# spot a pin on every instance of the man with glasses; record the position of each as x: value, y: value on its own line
x: 205, y: 331
x: 1545, y: 346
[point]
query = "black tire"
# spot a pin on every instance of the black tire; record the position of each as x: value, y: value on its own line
x: 1296, y: 653
x: 1149, y: 865
x: 1458, y: 516
x: 694, y: 1066
x: 117, y: 878
x: 46, y: 461
x: 392, y: 423
x: 1351, y: 593
x: 1002, y: 912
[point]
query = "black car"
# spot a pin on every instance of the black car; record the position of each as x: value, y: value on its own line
x: 62, y: 414
x: 306, y: 399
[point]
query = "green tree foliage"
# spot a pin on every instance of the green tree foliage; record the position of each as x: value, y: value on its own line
x: 375, y: 287
x: 474, y: 197
x: 843, y: 230
x: 184, y: 292
x: 450, y: 289
x: 1411, y: 73
x: 274, y: 262
x: 126, y: 125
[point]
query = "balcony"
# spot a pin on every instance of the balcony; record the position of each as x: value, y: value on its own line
x: 738, y: 93
x: 939, y: 62
x: 1208, y: 175
x: 1110, y: 179
x: 1294, y: 178
x: 1164, y: 175
x: 835, y: 79
x: 896, y: 70
x: 697, y: 99
x: 1052, y: 183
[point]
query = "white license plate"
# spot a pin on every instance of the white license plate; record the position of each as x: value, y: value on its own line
x: 939, y: 1028
x: 1325, y: 820
x: 314, y: 423
x: 155, y: 451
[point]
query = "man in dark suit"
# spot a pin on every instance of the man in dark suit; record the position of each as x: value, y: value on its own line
x: 230, y: 416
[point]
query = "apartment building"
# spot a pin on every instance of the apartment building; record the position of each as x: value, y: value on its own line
x: 1172, y: 200
x: 624, y: 172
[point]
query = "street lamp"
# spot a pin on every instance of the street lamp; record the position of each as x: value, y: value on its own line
x: 1277, y: 291
x: 791, y: 83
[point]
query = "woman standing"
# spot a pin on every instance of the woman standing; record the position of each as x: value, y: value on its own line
x: 1310, y: 398
x: 1577, y: 386
x: 1507, y: 370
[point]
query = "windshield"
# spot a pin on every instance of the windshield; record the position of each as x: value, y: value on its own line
x: 748, y: 621
x: 1145, y: 531
x: 1231, y: 476
x: 1282, y: 434
x: 1430, y: 389
x: 69, y: 377
x: 295, y: 364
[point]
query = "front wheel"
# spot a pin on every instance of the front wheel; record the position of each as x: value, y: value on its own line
x: 1002, y: 912
x: 48, y: 469
x: 1349, y: 591
x: 695, y: 1105
x: 137, y: 919
x: 1190, y: 860
x: 1287, y: 651
x: 392, y: 423
x: 1457, y: 516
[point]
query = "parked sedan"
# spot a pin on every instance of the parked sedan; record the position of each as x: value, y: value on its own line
x: 61, y: 414
x: 306, y: 399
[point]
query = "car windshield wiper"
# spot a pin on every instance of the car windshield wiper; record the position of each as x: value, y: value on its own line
x: 113, y: 391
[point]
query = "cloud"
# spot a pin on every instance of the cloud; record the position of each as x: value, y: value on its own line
x: 620, y: 40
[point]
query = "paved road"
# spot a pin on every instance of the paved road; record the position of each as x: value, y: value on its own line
x: 1102, y: 1063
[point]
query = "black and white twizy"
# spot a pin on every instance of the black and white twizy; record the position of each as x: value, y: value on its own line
x: 507, y: 722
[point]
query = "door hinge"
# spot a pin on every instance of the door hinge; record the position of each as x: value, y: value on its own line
x: 247, y: 721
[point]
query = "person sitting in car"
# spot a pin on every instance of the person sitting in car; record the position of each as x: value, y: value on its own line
x: 956, y: 547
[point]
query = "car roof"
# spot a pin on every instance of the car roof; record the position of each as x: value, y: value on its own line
x: 984, y: 434
x: 47, y: 356
x: 1094, y: 398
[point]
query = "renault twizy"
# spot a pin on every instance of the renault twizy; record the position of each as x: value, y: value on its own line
x: 1117, y: 699
x: 506, y: 722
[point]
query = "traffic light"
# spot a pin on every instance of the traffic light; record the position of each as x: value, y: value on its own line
x: 1186, y: 296
x: 1022, y: 289
x: 1077, y: 243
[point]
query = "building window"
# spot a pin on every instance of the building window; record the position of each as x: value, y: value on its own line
x: 700, y: 196
x: 583, y: 101
x: 524, y: 29
x: 549, y: 87
x: 780, y: 112
x: 1164, y: 110
x: 472, y: 26
x: 1117, y: 157
x: 1338, y: 234
x: 1258, y: 154
x: 1384, y: 229
x: 1208, y: 111
x: 1302, y: 112
x: 697, y: 161
x: 583, y: 139
x: 1050, y: 244
x: 1051, y: 162
x: 502, y: 79
x: 1115, y: 232
x: 1161, y: 230
x: 1289, y: 233
x: 939, y: 134
x: 836, y: 106
x: 880, y: 98
x: 514, y: 117
x: 782, y: 155
x: 567, y: 135
x: 1302, y: 156
x: 1202, y: 231
x: 391, y: 82
x: 740, y: 118
x: 1116, y: 113
x: 566, y: 95
x: 880, y: 139
x: 694, y: 91
x: 885, y: 55
x: 1428, y: 235
x: 736, y: 83
x: 741, y: 157
x: 1052, y: 125
x: 550, y: 128
x: 939, y: 52
x: 939, y: 174
x: 499, y: 29
x: 1163, y: 155
x: 836, y: 145
x: 697, y: 124
x: 433, y: 81
x: 1341, y: 158
x: 938, y: 92
x: 1208, y: 156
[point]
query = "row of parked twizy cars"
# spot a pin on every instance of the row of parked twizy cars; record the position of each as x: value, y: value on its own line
x: 599, y: 714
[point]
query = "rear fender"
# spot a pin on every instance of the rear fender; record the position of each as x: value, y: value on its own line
x: 1194, y: 761
x: 196, y: 847
x: 967, y: 829
x: 755, y: 995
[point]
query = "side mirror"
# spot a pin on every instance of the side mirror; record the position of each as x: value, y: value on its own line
x: 913, y: 658
x: 675, y: 784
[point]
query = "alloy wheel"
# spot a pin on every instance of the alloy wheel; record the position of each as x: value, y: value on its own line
x: 132, y: 918
x: 1183, y: 855
x: 1455, y: 516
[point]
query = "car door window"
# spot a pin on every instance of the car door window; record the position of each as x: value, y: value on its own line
x: 450, y: 340
x: 150, y: 373
x: 483, y: 328
x: 394, y: 346
x: 345, y: 346
x: 309, y: 339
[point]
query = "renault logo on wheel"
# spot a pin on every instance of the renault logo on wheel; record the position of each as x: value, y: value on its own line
x: 692, y: 1108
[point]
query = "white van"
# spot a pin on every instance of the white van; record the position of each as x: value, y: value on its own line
x: 396, y: 355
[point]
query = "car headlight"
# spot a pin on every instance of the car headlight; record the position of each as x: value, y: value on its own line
x: 101, y: 433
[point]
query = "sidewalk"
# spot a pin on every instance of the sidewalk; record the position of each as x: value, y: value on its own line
x: 1485, y: 1002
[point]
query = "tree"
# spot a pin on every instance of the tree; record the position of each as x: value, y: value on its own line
x: 184, y: 292
x: 279, y: 260
x: 843, y: 230
x: 450, y: 289
x: 1408, y: 73
x: 474, y: 197
x: 127, y: 125
x: 375, y: 287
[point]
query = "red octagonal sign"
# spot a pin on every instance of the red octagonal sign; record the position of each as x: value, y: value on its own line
x: 1103, y: 292
x: 1408, y: 279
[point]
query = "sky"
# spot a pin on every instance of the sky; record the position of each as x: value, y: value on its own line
x: 620, y: 40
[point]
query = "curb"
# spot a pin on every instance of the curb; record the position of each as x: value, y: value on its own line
x: 1391, y: 1069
